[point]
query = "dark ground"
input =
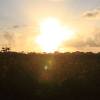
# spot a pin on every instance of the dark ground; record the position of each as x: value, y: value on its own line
x: 70, y: 76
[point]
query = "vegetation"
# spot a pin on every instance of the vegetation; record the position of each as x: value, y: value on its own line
x: 69, y: 76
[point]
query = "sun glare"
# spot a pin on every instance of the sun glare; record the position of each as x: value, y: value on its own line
x: 52, y: 34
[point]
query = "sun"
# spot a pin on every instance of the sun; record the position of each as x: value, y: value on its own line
x: 52, y: 34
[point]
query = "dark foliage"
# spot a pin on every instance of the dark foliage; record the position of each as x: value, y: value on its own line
x: 72, y: 76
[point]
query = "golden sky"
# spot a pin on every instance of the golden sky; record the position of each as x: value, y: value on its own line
x: 20, y: 25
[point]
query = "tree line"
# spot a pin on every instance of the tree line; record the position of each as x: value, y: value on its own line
x: 67, y: 75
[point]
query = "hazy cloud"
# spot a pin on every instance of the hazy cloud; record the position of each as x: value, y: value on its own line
x: 82, y: 42
x: 16, y: 26
x: 8, y: 38
x: 92, y: 13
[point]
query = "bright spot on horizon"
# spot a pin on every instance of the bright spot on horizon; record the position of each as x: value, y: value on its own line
x: 52, y: 34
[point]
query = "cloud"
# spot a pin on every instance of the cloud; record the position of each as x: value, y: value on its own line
x: 92, y: 40
x: 9, y: 38
x: 19, y: 26
x: 16, y: 26
x: 56, y: 0
x: 92, y: 13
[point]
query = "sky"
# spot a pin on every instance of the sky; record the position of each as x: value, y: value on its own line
x: 19, y: 23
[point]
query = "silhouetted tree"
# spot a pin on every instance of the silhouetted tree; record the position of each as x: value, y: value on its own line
x: 6, y: 49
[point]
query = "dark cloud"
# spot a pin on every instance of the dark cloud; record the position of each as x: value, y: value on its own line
x: 92, y: 13
x: 16, y: 26
x: 22, y: 26
x: 19, y: 26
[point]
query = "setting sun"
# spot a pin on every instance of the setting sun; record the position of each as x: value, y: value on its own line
x: 52, y: 34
